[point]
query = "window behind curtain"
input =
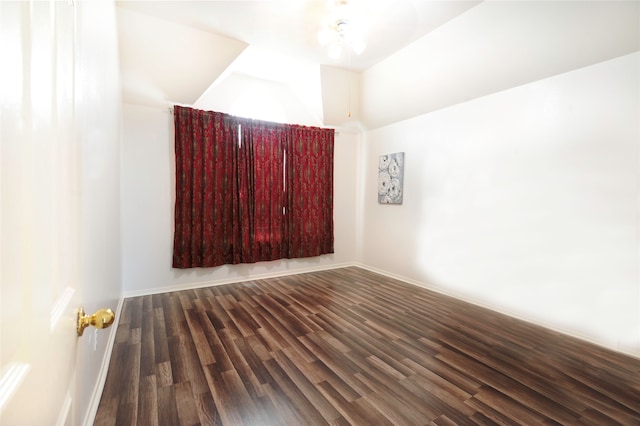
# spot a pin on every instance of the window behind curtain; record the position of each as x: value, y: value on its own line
x: 249, y: 190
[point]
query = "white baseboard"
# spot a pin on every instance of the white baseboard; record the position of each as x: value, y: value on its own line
x: 211, y: 283
x: 635, y: 353
x: 94, y: 402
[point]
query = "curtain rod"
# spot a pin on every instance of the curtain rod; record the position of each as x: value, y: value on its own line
x: 337, y: 133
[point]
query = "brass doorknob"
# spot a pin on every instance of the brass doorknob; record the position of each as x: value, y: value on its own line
x: 102, y: 318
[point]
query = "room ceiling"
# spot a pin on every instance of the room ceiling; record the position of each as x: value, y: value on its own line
x: 290, y: 27
x: 207, y: 53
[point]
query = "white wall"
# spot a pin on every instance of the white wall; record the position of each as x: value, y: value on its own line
x: 525, y: 201
x: 247, y: 96
x: 148, y: 207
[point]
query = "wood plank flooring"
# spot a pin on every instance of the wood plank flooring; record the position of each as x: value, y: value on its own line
x: 348, y: 346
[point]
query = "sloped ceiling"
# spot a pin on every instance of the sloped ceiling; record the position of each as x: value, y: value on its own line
x: 421, y: 55
x: 290, y: 27
x: 493, y: 47
x: 164, y: 62
x: 182, y: 51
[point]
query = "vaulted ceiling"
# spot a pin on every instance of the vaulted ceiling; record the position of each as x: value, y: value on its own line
x: 173, y: 51
x: 191, y: 52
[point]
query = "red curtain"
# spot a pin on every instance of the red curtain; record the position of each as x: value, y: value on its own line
x: 250, y: 191
x: 309, y: 191
x: 207, y: 226
x: 263, y: 146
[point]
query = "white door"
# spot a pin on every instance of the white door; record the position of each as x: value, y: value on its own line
x: 40, y: 213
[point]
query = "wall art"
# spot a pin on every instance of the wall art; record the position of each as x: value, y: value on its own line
x: 390, y: 178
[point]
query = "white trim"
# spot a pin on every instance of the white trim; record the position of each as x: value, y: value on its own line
x: 231, y: 280
x: 497, y: 309
x: 94, y: 402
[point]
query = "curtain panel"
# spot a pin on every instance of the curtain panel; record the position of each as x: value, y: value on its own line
x: 207, y: 226
x: 309, y: 191
x: 249, y: 190
x: 263, y: 146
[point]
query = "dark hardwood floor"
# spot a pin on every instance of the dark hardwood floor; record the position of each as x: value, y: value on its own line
x: 348, y: 346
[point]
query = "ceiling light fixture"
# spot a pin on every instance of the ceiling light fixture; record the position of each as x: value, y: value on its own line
x: 342, y: 28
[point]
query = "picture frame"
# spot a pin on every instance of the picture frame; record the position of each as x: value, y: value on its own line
x: 391, y: 178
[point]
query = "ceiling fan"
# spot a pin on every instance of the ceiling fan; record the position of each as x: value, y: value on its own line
x: 343, y: 27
